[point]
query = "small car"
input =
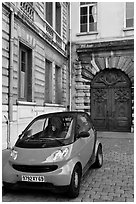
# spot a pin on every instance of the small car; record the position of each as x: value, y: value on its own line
x: 53, y: 152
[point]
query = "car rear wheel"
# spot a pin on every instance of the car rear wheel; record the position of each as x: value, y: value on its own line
x: 74, y: 187
x: 99, y: 158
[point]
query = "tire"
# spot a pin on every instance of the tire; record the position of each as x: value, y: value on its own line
x: 74, y: 186
x: 5, y: 188
x: 99, y: 158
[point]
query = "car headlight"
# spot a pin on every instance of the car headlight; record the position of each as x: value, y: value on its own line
x: 13, y: 154
x: 59, y: 155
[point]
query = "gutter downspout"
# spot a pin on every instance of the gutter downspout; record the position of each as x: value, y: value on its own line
x: 11, y: 47
x: 70, y: 71
x: 8, y: 138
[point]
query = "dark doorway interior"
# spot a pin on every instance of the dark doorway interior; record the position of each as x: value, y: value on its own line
x: 111, y: 101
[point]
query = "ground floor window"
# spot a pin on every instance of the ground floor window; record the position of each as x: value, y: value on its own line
x: 58, y: 81
x: 25, y: 73
x: 48, y: 81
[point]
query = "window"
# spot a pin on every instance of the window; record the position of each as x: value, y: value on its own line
x: 49, y: 9
x: 25, y: 74
x: 58, y: 85
x: 88, y: 17
x: 83, y: 124
x: 53, y: 15
x: 58, y: 18
x: 48, y: 81
x: 129, y: 14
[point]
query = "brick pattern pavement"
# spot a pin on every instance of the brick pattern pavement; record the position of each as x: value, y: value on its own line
x: 114, y: 182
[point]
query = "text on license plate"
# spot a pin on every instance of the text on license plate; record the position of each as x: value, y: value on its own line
x: 33, y: 178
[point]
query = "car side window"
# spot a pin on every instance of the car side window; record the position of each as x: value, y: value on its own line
x: 83, y: 124
x: 89, y: 122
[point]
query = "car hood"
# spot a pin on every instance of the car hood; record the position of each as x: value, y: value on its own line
x: 27, y: 156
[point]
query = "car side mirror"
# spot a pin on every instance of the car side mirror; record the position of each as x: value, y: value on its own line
x: 83, y: 134
x: 19, y: 136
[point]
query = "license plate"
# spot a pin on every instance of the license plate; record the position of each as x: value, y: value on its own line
x: 33, y: 178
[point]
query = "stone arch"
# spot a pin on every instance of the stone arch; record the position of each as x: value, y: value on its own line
x: 111, y: 77
x: 124, y: 63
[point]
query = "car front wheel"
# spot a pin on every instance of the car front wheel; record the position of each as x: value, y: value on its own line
x: 74, y: 187
x: 99, y: 158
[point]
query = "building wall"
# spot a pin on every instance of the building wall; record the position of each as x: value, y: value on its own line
x: 31, y: 33
x: 111, y: 46
x: 111, y: 23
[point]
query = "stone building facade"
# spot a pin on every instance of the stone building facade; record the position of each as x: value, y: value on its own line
x: 34, y: 63
x: 102, y: 44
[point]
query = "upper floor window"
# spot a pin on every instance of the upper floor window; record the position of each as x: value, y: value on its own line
x: 129, y: 14
x: 49, y: 12
x: 88, y: 17
x: 58, y: 18
x: 53, y: 16
x: 25, y: 73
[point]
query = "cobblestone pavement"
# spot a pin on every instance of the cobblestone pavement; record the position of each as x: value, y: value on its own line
x: 113, y: 182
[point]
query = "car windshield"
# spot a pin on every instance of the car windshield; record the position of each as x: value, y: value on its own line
x: 48, y: 131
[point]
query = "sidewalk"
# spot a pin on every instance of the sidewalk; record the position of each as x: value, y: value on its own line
x: 126, y: 135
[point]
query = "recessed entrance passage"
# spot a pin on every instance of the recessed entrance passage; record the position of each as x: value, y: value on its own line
x: 111, y: 101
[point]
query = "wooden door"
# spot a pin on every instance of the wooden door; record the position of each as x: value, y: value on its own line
x: 100, y: 108
x: 120, y: 109
x: 111, y: 101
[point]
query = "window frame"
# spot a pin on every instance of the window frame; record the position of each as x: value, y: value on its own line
x: 88, y: 5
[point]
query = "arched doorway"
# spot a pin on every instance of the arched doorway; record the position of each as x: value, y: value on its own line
x: 111, y: 101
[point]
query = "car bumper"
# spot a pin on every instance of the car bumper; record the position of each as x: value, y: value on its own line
x: 41, y: 186
x: 57, y: 179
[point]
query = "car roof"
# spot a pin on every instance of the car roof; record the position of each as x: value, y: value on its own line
x: 61, y: 113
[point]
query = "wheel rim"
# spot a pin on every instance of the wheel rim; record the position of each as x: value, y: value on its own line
x: 76, y: 180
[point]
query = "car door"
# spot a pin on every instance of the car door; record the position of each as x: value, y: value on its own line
x: 86, y: 144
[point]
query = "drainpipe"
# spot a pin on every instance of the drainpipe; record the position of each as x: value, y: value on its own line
x: 8, y: 136
x: 70, y: 72
x: 11, y: 47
